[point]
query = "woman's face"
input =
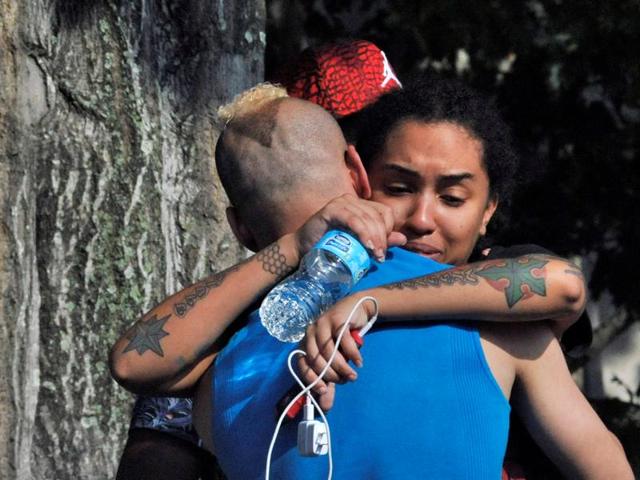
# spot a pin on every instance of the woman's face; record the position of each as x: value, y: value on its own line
x: 432, y: 177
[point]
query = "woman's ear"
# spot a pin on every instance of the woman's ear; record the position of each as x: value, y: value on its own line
x: 359, y: 177
x: 240, y: 229
x: 490, y: 209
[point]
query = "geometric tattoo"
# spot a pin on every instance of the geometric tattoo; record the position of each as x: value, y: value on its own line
x: 518, y: 278
x: 147, y: 335
x: 273, y: 261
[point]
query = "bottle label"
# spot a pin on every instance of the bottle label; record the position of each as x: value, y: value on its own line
x: 348, y: 249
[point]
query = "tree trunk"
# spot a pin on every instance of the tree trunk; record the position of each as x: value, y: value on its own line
x: 108, y: 198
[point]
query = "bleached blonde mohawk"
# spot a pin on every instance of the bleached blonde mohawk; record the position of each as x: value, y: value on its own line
x: 250, y: 101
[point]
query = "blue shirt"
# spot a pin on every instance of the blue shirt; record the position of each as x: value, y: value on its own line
x: 425, y: 404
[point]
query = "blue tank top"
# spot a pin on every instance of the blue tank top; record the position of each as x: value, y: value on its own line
x: 425, y: 404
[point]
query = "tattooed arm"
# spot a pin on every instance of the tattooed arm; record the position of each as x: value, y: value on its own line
x: 529, y: 287
x: 526, y: 288
x: 172, y: 345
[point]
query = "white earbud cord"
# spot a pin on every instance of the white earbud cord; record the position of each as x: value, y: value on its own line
x: 307, y: 389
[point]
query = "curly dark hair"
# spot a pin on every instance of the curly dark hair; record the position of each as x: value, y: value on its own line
x: 431, y: 99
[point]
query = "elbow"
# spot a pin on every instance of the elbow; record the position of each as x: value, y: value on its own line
x: 572, y: 289
x: 118, y: 367
x: 575, y: 295
x: 121, y: 371
x: 572, y: 299
x: 132, y: 377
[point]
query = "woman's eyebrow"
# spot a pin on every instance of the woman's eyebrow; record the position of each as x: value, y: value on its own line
x: 453, y: 179
x: 443, y: 180
x: 394, y: 167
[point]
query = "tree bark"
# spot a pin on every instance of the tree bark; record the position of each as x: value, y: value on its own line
x: 109, y: 201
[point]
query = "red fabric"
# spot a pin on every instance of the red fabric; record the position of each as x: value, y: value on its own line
x: 512, y: 471
x: 341, y: 77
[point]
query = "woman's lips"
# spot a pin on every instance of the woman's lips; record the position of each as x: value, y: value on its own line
x: 424, y: 249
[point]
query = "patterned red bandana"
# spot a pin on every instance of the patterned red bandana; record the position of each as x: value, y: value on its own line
x: 342, y: 77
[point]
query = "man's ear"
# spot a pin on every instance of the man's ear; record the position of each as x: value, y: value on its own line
x: 240, y: 229
x: 492, y: 204
x: 359, y: 177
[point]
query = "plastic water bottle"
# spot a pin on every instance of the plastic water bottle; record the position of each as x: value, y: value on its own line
x: 326, y: 274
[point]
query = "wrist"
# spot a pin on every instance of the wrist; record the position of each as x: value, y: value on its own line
x: 290, y: 249
x: 377, y: 293
x: 368, y: 306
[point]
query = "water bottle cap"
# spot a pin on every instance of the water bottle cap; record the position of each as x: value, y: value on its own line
x: 348, y: 249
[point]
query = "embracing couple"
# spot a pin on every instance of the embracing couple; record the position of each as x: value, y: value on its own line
x: 457, y: 345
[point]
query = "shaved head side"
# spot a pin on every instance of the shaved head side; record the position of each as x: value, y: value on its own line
x: 250, y: 101
x: 252, y: 113
x: 280, y: 152
x: 260, y: 126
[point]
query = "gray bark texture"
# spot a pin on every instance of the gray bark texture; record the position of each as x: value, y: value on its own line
x: 109, y: 201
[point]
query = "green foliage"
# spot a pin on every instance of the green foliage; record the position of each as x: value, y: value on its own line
x: 566, y: 74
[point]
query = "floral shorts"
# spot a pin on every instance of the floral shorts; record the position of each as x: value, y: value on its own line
x: 166, y: 414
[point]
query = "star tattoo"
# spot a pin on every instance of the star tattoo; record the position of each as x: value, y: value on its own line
x: 518, y: 278
x: 147, y: 335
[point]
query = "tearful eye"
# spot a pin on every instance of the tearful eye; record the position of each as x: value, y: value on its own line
x: 397, y: 189
x: 452, y: 200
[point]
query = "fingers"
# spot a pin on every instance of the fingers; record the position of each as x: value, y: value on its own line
x: 386, y: 215
x: 365, y: 223
x: 324, y: 392
x: 350, y: 351
x: 371, y: 222
x: 319, y: 345
x: 326, y: 399
x: 326, y: 330
x: 308, y: 376
x: 396, y: 239
x: 319, y: 351
x: 316, y: 363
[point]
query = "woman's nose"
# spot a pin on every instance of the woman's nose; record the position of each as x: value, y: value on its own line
x: 421, y: 219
